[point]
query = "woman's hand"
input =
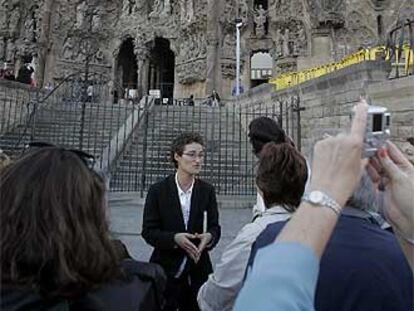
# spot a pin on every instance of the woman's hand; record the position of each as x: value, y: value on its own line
x: 397, y: 175
x: 337, y: 165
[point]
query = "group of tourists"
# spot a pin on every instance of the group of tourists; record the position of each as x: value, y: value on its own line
x: 25, y: 74
x: 332, y: 233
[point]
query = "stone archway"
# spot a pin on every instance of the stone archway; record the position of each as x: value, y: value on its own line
x: 162, y: 68
x: 126, y: 75
x: 261, y: 68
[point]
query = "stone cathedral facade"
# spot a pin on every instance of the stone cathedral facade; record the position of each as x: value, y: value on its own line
x: 187, y: 46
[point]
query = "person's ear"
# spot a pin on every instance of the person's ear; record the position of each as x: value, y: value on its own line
x: 176, y: 156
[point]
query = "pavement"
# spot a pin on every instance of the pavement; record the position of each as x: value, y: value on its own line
x: 126, y: 222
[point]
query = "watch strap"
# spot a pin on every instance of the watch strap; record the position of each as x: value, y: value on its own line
x: 326, y: 201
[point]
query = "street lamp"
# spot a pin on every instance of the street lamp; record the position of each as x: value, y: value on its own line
x: 239, y: 24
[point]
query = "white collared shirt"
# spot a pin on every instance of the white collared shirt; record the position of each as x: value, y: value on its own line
x: 185, y: 202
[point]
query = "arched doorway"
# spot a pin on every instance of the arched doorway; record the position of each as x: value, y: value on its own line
x: 261, y: 65
x: 161, y: 73
x: 127, y: 69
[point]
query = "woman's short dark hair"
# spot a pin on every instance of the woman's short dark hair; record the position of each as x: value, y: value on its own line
x: 411, y: 140
x: 54, y: 234
x: 281, y: 175
x: 263, y: 130
x: 178, y: 144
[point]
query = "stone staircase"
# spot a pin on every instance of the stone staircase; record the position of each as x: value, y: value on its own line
x: 228, y: 164
x: 60, y: 123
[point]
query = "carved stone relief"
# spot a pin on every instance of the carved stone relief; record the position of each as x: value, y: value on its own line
x: 290, y: 40
x: 327, y: 12
x: 14, y: 15
x: 186, y: 10
x: 192, y: 50
x: 10, y: 50
x: 362, y: 34
x: 161, y: 8
x: 286, y: 27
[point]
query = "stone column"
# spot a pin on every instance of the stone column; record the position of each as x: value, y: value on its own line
x: 212, y: 45
x: 142, y: 55
x: 144, y: 77
x: 43, y: 41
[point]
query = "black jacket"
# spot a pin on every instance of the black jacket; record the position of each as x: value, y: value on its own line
x: 163, y: 218
x: 141, y: 290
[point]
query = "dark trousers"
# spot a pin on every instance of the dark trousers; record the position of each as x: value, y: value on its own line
x: 181, y: 294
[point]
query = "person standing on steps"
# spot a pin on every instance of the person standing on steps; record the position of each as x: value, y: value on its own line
x: 181, y: 222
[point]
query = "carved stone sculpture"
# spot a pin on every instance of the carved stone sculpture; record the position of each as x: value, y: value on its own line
x: 161, y: 8
x: 229, y: 46
x: 186, y: 10
x: 128, y: 7
x: 278, y: 44
x: 10, y: 51
x: 80, y: 14
x: 286, y: 41
x: 260, y: 17
x: 14, y: 16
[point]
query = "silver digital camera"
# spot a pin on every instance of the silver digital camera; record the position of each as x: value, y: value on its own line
x: 378, y: 129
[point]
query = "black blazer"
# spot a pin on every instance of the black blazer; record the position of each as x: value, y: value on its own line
x: 163, y: 218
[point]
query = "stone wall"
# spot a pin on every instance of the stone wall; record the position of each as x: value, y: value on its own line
x: 328, y: 100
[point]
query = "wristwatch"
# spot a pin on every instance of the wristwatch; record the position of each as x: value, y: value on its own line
x: 321, y: 199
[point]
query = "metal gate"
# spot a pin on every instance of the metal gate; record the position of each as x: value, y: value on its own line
x: 229, y: 163
x: 131, y: 140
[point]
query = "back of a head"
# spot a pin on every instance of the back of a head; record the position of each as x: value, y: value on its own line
x: 263, y: 130
x: 364, y: 196
x: 281, y: 175
x: 54, y: 235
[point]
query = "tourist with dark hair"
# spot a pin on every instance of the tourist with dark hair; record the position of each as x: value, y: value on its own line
x: 181, y: 222
x: 281, y: 177
x: 263, y: 130
x: 25, y: 74
x: 9, y: 75
x: 360, y: 253
x: 55, y: 245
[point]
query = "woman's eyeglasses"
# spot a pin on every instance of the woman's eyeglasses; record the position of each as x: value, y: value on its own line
x: 87, y: 159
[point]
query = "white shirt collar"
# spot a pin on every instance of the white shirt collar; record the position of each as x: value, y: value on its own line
x: 180, y: 191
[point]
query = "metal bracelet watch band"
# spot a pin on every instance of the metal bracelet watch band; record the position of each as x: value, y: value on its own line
x: 321, y: 199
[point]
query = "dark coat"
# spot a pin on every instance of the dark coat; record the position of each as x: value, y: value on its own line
x: 141, y: 289
x: 163, y: 218
x: 362, y: 268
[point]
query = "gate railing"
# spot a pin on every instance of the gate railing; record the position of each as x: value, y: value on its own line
x: 131, y: 141
x: 71, y: 115
x: 229, y: 162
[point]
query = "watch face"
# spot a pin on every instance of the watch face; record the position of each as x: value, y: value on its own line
x: 316, y: 196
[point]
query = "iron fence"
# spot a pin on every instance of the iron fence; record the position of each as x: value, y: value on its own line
x: 229, y: 163
x: 75, y: 114
x: 131, y: 140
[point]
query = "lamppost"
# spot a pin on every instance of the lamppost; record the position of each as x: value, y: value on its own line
x: 239, y: 24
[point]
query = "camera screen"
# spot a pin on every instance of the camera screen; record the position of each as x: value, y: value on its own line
x: 377, y: 122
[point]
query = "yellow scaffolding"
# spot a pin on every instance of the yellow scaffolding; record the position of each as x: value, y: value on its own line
x: 404, y: 61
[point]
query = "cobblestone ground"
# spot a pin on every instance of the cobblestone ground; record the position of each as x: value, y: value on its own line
x: 126, y: 224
